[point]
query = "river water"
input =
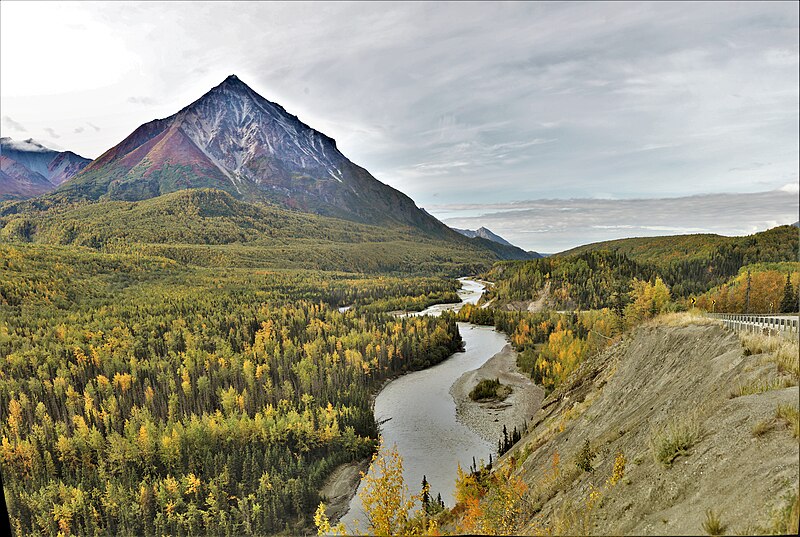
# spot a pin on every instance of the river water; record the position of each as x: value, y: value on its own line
x: 421, y: 414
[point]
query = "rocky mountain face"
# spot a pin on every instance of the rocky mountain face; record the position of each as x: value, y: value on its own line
x: 28, y: 153
x: 17, y: 181
x: 65, y: 166
x: 28, y: 168
x: 483, y: 233
x: 235, y: 140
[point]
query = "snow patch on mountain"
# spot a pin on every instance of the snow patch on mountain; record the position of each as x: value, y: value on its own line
x: 483, y: 233
x: 245, y: 135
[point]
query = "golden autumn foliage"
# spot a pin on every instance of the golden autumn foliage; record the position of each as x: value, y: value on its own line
x: 384, y: 494
x: 490, y: 502
x: 767, y: 286
x: 648, y: 299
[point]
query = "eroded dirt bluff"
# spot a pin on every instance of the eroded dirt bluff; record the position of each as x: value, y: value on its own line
x: 662, y: 372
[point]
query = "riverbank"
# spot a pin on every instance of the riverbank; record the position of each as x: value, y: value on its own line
x: 342, y: 484
x: 341, y: 487
x: 487, y: 419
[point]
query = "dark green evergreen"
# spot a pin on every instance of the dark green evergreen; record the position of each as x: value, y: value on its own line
x: 789, y: 304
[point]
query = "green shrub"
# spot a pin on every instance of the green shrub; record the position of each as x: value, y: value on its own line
x: 584, y: 458
x: 674, y: 439
x: 488, y: 389
x: 713, y: 525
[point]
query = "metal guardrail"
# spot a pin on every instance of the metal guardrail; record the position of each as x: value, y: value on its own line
x: 788, y: 325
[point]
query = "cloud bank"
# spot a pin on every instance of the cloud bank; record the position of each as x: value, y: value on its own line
x: 13, y: 125
x: 551, y: 226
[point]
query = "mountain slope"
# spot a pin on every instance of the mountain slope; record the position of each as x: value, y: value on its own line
x: 695, y: 263
x: 600, y: 275
x: 662, y: 250
x: 18, y: 181
x: 65, y: 166
x: 28, y: 153
x: 235, y: 140
x: 31, y: 169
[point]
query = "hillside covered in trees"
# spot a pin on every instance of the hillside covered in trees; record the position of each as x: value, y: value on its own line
x: 209, y: 227
x: 757, y: 288
x: 692, y: 264
x: 601, y: 275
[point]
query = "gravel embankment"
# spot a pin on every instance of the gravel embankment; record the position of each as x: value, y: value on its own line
x: 340, y: 488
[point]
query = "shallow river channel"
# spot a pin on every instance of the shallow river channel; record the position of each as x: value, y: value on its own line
x: 420, y: 414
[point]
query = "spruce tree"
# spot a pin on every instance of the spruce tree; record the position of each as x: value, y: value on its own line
x: 426, y: 496
x: 789, y: 302
x: 747, y: 294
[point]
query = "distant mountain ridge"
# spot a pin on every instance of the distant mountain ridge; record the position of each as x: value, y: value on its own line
x: 232, y: 140
x: 28, y: 168
x: 233, y: 148
x: 484, y: 233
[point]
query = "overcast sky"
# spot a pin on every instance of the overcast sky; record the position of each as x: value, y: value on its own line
x: 466, y: 107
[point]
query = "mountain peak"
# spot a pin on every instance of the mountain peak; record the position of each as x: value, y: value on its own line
x: 233, y: 139
x: 234, y: 93
x: 233, y: 80
x: 484, y: 233
x: 233, y: 84
x: 30, y: 145
x: 28, y: 168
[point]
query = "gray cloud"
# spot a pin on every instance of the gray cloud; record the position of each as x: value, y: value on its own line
x: 95, y: 127
x: 14, y: 125
x: 633, y: 100
x: 148, y: 101
x: 486, y: 102
x: 78, y: 130
x: 52, y: 132
x: 556, y: 225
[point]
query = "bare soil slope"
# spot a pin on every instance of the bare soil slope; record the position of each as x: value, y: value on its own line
x: 662, y: 374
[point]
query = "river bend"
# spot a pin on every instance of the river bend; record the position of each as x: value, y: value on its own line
x: 419, y: 414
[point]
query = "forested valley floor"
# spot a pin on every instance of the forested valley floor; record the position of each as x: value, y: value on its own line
x: 152, y: 388
x: 143, y: 396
